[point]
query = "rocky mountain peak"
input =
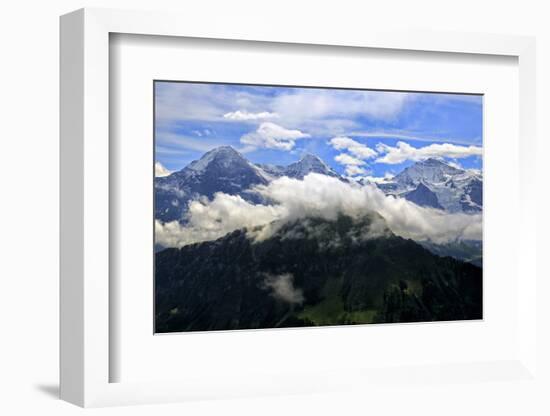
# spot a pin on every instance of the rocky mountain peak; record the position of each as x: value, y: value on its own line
x: 223, y: 155
x: 308, y: 164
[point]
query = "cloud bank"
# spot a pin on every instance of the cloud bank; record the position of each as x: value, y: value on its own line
x: 210, y: 220
x: 314, y: 196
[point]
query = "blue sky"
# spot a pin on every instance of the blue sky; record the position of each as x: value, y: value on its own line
x: 357, y: 132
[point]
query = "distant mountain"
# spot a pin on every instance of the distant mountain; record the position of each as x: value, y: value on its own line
x: 307, y: 164
x: 311, y: 272
x: 429, y: 183
x: 455, y: 190
x: 430, y: 170
x: 220, y: 170
x: 472, y: 198
x: 470, y: 251
x: 224, y: 170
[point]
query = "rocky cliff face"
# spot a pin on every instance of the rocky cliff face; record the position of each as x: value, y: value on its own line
x: 423, y: 196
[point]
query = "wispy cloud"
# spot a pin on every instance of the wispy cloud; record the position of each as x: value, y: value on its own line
x: 245, y: 115
x: 283, y: 288
x: 412, y: 137
x: 323, y: 112
x: 175, y: 142
x: 185, y: 101
x: 170, y: 151
x: 315, y: 104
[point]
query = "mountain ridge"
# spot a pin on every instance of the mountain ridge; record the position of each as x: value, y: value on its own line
x: 311, y: 272
x: 429, y: 183
x: 224, y: 169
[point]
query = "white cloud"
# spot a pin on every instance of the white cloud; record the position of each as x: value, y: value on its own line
x: 353, y: 161
x: 377, y: 179
x: 209, y: 220
x: 404, y: 151
x: 160, y: 170
x: 353, y: 170
x: 272, y: 136
x: 357, y: 149
x: 245, y: 115
x: 316, y: 196
x: 347, y: 160
x: 283, y: 288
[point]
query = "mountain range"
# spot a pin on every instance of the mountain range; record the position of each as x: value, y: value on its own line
x: 430, y: 183
x: 223, y: 169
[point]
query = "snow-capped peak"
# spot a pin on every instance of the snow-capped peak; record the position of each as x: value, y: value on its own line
x: 430, y: 170
x: 308, y: 164
x: 225, y: 155
x: 456, y: 189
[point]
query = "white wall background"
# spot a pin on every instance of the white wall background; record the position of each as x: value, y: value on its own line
x: 29, y: 56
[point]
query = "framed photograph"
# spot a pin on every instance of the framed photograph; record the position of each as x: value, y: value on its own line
x: 291, y: 208
x: 280, y: 206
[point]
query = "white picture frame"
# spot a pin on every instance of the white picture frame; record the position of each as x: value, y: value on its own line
x: 85, y: 263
